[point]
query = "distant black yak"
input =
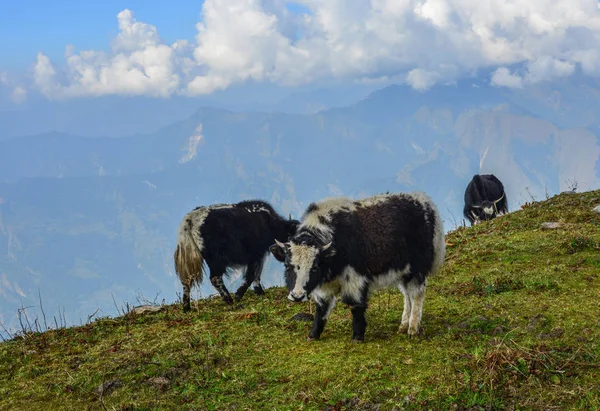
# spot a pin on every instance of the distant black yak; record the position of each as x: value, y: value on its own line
x: 485, y: 198
x: 228, y: 236
x: 348, y: 249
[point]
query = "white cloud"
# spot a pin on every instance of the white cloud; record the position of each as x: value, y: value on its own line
x: 420, y: 79
x: 544, y: 68
x: 138, y: 64
x: 503, y: 77
x: 423, y: 42
x: 18, y: 93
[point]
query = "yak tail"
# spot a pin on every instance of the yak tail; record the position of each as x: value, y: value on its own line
x: 188, y: 258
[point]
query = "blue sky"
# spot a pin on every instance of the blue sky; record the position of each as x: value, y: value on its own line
x: 29, y: 26
x: 350, y: 41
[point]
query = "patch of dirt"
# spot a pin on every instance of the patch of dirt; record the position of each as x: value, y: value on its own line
x: 159, y: 382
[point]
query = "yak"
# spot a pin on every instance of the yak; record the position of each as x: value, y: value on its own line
x: 349, y: 248
x: 485, y: 198
x: 228, y: 236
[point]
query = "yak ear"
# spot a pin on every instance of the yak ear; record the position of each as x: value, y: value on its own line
x: 292, y: 226
x: 278, y: 250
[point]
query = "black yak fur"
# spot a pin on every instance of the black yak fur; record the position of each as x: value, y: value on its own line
x: 346, y: 248
x: 228, y: 236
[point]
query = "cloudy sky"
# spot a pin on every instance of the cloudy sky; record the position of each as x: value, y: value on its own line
x: 69, y: 49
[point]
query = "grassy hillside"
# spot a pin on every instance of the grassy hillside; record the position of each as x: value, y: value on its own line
x: 512, y: 322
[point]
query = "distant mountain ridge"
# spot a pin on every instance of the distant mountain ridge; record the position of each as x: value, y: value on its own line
x: 84, y: 219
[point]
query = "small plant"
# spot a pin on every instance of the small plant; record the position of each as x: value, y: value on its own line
x: 572, y: 185
x: 581, y: 243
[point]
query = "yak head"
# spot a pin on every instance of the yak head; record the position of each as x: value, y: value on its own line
x: 485, y: 210
x: 286, y: 228
x: 305, y: 261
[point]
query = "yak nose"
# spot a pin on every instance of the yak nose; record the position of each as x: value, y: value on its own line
x: 292, y: 296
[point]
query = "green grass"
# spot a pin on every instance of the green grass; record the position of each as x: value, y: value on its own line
x: 512, y: 322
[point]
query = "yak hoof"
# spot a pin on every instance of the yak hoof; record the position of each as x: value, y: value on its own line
x: 413, y: 332
x: 403, y: 328
x: 309, y: 338
x: 259, y: 291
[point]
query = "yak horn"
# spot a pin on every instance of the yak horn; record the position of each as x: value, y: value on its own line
x: 282, y: 245
x: 477, y: 207
x: 326, y: 246
x: 495, y: 202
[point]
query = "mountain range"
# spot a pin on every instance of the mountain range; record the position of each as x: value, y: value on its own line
x: 90, y: 221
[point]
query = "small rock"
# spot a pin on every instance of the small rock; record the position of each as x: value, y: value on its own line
x: 142, y: 309
x: 105, y: 388
x: 159, y: 382
x: 550, y: 226
x: 302, y: 317
x: 597, y: 209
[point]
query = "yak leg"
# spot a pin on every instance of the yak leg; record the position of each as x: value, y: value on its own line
x: 256, y: 285
x: 251, y: 275
x: 186, y: 297
x: 417, y: 299
x: 407, y: 309
x: 414, y: 296
x: 359, y: 323
x: 324, y: 308
x: 216, y: 279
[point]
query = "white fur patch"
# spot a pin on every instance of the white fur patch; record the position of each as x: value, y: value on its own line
x: 374, y: 200
x: 389, y: 279
x: 302, y: 259
x: 325, y: 209
x: 488, y: 210
x: 257, y: 209
x: 352, y: 284
x: 197, y: 218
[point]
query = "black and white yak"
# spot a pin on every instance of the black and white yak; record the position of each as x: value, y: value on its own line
x: 348, y: 249
x: 228, y: 236
x: 485, y: 199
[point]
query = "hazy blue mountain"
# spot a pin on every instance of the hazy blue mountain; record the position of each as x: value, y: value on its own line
x: 83, y: 219
x: 95, y: 117
x: 117, y: 116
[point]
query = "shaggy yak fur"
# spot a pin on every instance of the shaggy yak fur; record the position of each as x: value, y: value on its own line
x: 228, y: 236
x: 348, y: 249
x: 485, y: 199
